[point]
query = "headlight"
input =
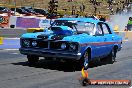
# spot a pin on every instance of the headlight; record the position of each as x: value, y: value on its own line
x: 26, y: 43
x: 34, y: 43
x: 63, y: 46
x: 72, y: 47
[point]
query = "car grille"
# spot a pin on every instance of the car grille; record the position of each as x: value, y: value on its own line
x: 49, y: 44
x: 42, y: 44
x: 56, y: 45
x: 46, y: 44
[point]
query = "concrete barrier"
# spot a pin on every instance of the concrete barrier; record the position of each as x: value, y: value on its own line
x: 129, y: 35
x: 11, y: 32
x: 126, y: 35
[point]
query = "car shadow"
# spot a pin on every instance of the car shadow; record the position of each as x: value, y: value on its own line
x: 52, y: 65
x: 99, y: 63
x: 57, y: 65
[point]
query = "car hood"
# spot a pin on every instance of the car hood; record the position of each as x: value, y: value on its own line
x: 35, y: 35
x: 72, y: 38
x: 64, y: 35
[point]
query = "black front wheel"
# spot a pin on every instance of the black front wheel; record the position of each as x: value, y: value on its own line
x: 48, y: 58
x: 32, y: 59
x: 84, y: 61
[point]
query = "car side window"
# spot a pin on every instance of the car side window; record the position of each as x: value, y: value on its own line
x: 105, y: 28
x: 98, y: 30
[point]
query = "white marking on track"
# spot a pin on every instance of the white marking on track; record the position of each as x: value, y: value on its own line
x: 9, y: 49
x: 15, y: 53
x: 11, y: 38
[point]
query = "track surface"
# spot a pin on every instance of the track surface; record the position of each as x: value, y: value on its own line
x: 10, y: 43
x: 16, y: 73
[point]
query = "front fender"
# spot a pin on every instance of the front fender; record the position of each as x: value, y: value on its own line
x: 84, y: 49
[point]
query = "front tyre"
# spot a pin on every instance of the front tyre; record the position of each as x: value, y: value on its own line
x: 84, y: 61
x: 32, y: 60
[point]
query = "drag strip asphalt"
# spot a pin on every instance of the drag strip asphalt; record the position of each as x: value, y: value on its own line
x: 15, y: 72
x: 10, y: 43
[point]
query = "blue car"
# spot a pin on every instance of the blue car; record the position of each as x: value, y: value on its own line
x: 72, y: 39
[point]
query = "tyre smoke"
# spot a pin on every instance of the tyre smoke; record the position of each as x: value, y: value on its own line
x: 120, y: 19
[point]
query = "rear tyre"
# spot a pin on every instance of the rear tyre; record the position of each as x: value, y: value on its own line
x: 32, y: 60
x: 112, y: 56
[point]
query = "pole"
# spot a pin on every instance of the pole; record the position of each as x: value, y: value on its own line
x: 9, y: 2
x: 15, y: 7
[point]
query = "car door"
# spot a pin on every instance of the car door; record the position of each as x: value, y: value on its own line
x: 97, y: 44
x: 108, y: 39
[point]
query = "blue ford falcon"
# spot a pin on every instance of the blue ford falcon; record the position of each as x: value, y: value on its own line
x: 75, y: 39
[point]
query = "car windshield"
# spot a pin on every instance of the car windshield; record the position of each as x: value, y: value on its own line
x: 79, y: 26
x: 62, y: 23
x: 85, y: 27
x: 70, y: 24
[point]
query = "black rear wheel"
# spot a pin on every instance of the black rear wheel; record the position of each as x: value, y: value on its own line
x: 111, y: 58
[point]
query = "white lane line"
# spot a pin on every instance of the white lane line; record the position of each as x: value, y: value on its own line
x: 14, y: 53
x: 11, y: 38
x: 10, y: 44
x: 9, y: 49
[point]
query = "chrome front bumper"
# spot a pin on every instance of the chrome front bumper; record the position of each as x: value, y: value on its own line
x: 50, y: 53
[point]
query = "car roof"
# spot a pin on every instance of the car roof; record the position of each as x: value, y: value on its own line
x: 93, y: 20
